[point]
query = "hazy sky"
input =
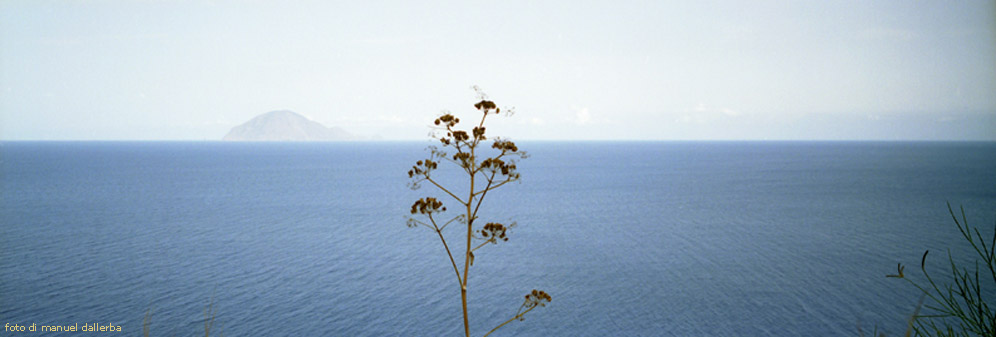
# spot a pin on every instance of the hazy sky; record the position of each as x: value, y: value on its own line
x: 572, y: 69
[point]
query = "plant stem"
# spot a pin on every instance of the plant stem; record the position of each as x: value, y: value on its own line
x: 466, y: 259
x: 444, y: 189
x: 517, y: 316
x: 448, y: 253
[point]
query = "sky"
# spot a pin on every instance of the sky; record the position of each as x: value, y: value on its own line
x: 572, y: 70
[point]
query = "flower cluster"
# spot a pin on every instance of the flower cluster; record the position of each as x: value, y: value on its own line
x: 505, y: 146
x: 422, y: 167
x: 464, y: 158
x: 459, y: 135
x: 486, y: 106
x: 447, y: 120
x: 498, y: 165
x: 494, y: 231
x: 427, y: 206
x: 537, y: 297
x: 479, y: 132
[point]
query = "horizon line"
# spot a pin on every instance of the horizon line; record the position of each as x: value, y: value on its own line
x: 882, y: 140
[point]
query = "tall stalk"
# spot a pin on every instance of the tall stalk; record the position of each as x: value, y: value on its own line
x: 492, y: 172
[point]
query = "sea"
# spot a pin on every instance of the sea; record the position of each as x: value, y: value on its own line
x: 687, y: 238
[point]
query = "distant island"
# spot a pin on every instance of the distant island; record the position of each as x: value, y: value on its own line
x: 286, y: 125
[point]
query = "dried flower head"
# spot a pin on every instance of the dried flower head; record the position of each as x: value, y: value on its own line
x: 464, y: 158
x: 460, y: 136
x: 537, y: 297
x: 447, y: 120
x: 478, y: 132
x: 486, y: 106
x: 422, y: 168
x: 427, y: 205
x: 494, y: 231
x: 506, y: 168
x: 505, y: 146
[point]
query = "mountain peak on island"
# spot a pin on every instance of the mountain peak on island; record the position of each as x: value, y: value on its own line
x: 285, y: 125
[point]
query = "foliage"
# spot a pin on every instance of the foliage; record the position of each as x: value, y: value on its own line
x: 485, y: 174
x: 962, y: 307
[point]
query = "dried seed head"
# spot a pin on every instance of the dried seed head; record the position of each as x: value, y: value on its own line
x: 485, y: 105
x: 446, y: 120
x: 422, y: 167
x: 460, y: 136
x: 427, y: 206
x: 537, y: 297
x: 478, y: 132
x: 494, y: 231
x: 505, y: 146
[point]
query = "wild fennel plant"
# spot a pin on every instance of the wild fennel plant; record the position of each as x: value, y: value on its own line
x: 466, y: 149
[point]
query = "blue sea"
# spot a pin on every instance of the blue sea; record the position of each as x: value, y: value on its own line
x: 629, y: 238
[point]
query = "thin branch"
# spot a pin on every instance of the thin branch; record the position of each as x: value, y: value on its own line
x: 484, y: 192
x: 445, y: 190
x: 470, y: 160
x: 484, y: 243
x: 480, y: 125
x: 146, y: 322
x: 448, y: 253
x: 517, y: 316
x: 495, y: 186
x: 421, y: 223
x: 448, y: 222
x: 451, y: 160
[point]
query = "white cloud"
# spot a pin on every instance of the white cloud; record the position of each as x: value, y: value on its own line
x: 583, y: 116
x: 695, y: 119
x: 730, y: 112
x: 374, y: 119
x: 392, y: 119
x: 705, y: 109
x: 218, y: 121
x: 703, y: 113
